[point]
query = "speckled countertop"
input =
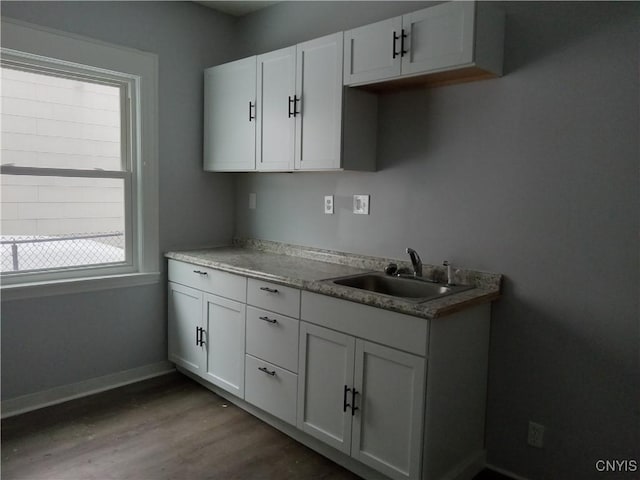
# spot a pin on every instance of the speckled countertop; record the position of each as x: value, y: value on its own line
x: 312, y: 270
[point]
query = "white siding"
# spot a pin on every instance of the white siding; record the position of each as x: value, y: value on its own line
x: 59, y: 123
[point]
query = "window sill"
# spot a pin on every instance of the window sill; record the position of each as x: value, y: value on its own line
x: 76, y: 285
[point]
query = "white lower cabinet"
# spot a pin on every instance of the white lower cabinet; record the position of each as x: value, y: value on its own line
x: 387, y: 429
x: 351, y: 376
x: 206, y: 332
x: 271, y: 388
x: 325, y: 374
x: 273, y: 337
x: 224, y: 328
x: 365, y: 399
x: 271, y: 379
x: 184, y: 329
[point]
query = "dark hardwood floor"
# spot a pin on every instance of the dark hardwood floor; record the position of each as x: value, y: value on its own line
x: 164, y: 428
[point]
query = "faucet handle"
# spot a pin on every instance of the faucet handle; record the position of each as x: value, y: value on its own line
x: 447, y: 264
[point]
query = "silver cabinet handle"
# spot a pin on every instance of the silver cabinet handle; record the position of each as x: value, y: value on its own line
x: 267, y: 319
x: 270, y: 290
x: 200, y: 272
x: 266, y: 370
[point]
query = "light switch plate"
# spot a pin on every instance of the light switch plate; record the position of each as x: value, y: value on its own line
x: 328, y: 204
x: 252, y: 201
x: 361, y: 204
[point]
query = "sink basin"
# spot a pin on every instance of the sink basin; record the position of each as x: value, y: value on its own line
x: 411, y: 289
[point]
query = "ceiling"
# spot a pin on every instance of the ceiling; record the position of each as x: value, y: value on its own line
x: 237, y: 8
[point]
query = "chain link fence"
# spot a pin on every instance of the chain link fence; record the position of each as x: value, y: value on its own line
x: 22, y: 253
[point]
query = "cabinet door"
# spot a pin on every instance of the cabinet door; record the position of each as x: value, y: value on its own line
x: 224, y: 322
x: 319, y: 88
x: 387, y: 427
x: 185, y: 314
x: 326, y: 369
x: 369, y: 51
x: 229, y: 116
x: 275, y: 122
x: 438, y: 37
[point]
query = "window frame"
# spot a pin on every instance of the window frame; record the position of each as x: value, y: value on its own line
x: 39, y: 50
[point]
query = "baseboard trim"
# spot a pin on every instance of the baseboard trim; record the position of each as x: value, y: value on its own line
x: 468, y: 468
x: 506, y: 473
x: 34, y: 401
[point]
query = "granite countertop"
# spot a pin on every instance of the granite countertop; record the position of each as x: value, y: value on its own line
x: 312, y: 270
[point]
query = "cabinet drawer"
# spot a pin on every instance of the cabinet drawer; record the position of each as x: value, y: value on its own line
x: 277, y: 298
x: 208, y: 279
x: 273, y: 337
x: 393, y: 329
x: 271, y: 388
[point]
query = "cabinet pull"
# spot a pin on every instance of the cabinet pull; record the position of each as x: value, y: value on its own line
x: 293, y: 102
x: 344, y: 399
x: 270, y: 290
x: 267, y: 319
x: 354, y: 392
x: 200, y: 272
x: 295, y: 105
x: 251, y: 107
x: 267, y: 371
x: 199, y: 336
x: 395, y: 40
x: 402, y: 37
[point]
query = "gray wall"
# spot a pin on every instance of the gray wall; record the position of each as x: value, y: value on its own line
x: 534, y: 175
x: 61, y: 340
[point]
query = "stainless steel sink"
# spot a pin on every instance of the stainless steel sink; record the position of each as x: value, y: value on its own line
x: 410, y: 289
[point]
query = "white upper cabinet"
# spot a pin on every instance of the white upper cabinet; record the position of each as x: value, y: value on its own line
x: 319, y: 113
x: 287, y: 110
x: 447, y: 43
x: 371, y: 52
x: 275, y: 120
x: 229, y: 116
x: 438, y: 37
x: 300, y: 106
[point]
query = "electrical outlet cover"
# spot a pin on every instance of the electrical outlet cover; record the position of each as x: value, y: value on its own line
x: 535, y: 436
x: 361, y: 204
x: 328, y: 204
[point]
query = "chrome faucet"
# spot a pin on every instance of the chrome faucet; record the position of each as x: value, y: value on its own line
x: 415, y: 262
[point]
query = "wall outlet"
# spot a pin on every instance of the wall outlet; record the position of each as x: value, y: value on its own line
x: 361, y: 204
x: 535, y: 437
x: 328, y: 204
x: 252, y: 201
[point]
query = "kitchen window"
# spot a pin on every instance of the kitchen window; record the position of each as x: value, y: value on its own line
x: 77, y: 176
